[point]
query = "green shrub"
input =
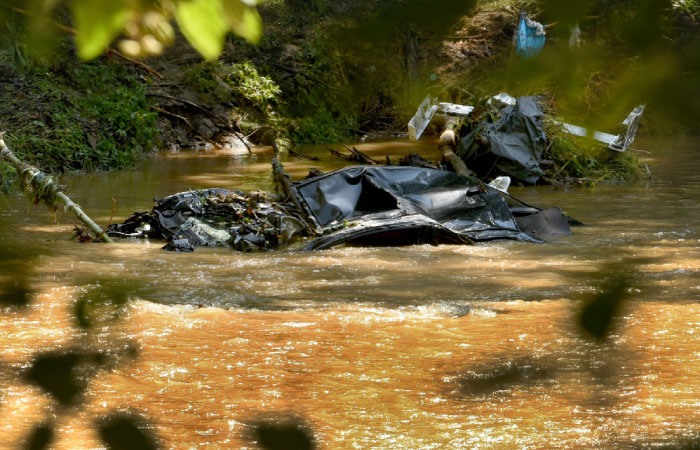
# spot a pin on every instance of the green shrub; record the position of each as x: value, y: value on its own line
x: 322, y: 127
x: 231, y: 82
x: 80, y: 117
x: 576, y: 157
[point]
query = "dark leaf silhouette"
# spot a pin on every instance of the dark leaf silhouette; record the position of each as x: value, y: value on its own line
x: 598, y: 314
x: 288, y: 435
x: 122, y: 431
x: 15, y: 293
x: 55, y: 372
x: 504, y: 376
x: 41, y: 437
x: 102, y: 303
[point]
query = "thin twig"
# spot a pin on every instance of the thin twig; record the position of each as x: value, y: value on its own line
x: 303, y: 74
x: 139, y: 64
x: 193, y: 105
x: 109, y: 222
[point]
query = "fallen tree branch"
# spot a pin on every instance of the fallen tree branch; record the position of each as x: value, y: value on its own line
x: 186, y: 122
x: 303, y: 74
x: 242, y: 139
x: 110, y: 51
x: 48, y: 191
x: 362, y: 157
x: 447, y: 146
x: 341, y: 155
x: 299, y: 155
x: 222, y: 122
x: 200, y: 108
x: 282, y: 179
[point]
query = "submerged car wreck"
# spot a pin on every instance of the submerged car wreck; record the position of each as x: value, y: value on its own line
x: 361, y: 205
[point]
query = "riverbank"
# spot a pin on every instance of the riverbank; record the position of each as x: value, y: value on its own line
x: 323, y: 72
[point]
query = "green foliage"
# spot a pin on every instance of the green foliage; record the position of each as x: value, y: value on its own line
x: 245, y: 79
x: 98, y: 22
x: 323, y: 126
x: 691, y: 8
x: 76, y: 117
x: 580, y: 158
x: 204, y: 23
x: 231, y: 82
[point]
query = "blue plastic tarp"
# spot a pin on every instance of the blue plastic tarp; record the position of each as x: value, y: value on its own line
x: 530, y: 37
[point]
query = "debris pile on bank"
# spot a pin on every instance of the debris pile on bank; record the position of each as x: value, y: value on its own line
x: 504, y: 135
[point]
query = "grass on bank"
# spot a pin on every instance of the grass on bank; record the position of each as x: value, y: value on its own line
x: 65, y: 115
x: 581, y: 159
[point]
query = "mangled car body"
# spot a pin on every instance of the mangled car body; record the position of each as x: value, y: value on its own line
x: 363, y: 205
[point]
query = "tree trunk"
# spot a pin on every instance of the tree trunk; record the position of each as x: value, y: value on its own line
x: 447, y: 146
x: 41, y: 182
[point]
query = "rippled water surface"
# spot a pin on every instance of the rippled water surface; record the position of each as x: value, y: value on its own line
x: 410, y: 347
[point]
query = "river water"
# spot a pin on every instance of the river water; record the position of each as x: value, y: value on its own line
x: 415, y: 347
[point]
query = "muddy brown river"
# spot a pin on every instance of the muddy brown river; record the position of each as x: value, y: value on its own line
x: 418, y: 347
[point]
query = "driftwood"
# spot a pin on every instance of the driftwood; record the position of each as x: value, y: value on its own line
x: 299, y: 155
x: 447, y: 146
x: 282, y: 179
x: 186, y: 122
x: 355, y: 156
x: 341, y: 155
x: 222, y: 122
x: 362, y: 157
x: 49, y: 190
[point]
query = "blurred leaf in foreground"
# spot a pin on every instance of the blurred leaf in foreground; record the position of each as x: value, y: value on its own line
x: 144, y: 24
x: 282, y: 434
x: 98, y: 22
x: 598, y: 314
x: 121, y: 431
x: 41, y: 437
x: 102, y: 303
x: 15, y: 292
x: 55, y: 372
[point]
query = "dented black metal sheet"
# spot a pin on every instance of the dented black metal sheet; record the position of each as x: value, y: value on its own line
x: 512, y: 145
x: 370, y: 200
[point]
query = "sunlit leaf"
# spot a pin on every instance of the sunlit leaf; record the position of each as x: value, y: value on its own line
x: 204, y: 25
x: 243, y: 19
x: 97, y: 23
